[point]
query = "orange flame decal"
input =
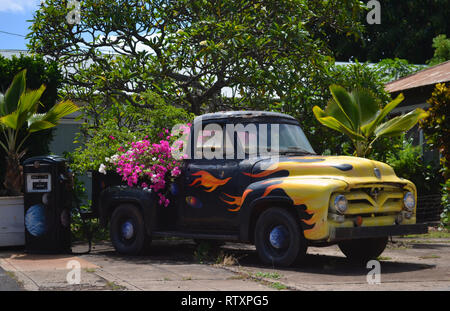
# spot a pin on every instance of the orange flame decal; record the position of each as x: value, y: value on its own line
x: 208, y: 181
x: 262, y: 174
x: 236, y: 200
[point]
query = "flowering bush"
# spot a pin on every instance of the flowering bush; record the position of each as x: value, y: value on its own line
x: 148, y: 165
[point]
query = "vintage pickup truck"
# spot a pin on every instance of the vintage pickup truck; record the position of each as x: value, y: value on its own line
x: 281, y: 198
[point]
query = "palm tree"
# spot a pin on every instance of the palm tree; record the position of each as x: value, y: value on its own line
x: 359, y: 115
x: 18, y: 107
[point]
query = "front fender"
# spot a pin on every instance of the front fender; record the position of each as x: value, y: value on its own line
x: 308, y: 195
x: 111, y: 197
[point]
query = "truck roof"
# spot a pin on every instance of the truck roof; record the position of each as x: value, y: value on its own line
x: 241, y: 115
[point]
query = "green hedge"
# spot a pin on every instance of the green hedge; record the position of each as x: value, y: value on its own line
x: 39, y: 72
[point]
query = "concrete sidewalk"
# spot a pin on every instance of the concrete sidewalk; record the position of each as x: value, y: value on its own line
x: 175, y: 265
x: 103, y: 269
x: 7, y: 282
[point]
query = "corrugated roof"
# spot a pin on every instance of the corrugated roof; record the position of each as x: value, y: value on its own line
x: 11, y: 53
x: 436, y: 74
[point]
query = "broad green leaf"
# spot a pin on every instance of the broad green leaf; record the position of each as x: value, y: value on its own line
x: 335, y: 111
x: 13, y: 93
x: 334, y: 124
x: 400, y: 124
x: 28, y: 104
x: 369, y: 128
x: 345, y: 101
x: 59, y: 111
x: 39, y: 126
x: 368, y: 105
x: 10, y: 120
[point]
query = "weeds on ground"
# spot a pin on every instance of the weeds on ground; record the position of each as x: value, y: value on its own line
x: 268, y: 275
x: 207, y: 253
x: 114, y: 286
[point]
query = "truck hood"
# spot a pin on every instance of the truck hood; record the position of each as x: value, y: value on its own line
x: 352, y: 170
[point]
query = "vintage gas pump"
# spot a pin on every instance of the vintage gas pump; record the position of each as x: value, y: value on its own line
x: 48, y: 202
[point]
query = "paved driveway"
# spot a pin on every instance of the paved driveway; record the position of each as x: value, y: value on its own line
x: 8, y: 283
x: 421, y: 264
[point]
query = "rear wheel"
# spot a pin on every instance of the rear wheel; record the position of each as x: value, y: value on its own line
x: 363, y: 250
x: 127, y: 230
x: 278, y: 238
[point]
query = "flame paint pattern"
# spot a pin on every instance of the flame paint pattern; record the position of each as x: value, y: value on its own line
x: 208, y: 181
x: 308, y: 195
x: 236, y: 200
x: 307, y: 183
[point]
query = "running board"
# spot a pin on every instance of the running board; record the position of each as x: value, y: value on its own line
x: 200, y: 236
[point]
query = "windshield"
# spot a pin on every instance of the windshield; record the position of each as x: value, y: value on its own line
x: 289, y: 138
x: 218, y: 140
x: 292, y: 139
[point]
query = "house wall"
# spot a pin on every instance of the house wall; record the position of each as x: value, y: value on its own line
x: 63, y: 137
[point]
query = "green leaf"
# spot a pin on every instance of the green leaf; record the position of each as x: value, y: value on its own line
x: 369, y: 128
x: 10, y: 120
x: 13, y: 93
x: 368, y: 105
x: 345, y: 101
x: 400, y: 124
x: 39, y: 126
x: 59, y: 111
x: 334, y: 124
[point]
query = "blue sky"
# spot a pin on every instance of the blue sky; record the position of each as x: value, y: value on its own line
x: 13, y: 18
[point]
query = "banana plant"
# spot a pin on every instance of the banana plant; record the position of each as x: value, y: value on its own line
x: 358, y: 114
x: 19, y: 119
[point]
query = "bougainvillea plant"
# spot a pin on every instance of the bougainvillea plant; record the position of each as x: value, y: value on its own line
x: 148, y: 165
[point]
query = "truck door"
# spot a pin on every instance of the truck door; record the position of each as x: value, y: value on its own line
x: 209, y: 181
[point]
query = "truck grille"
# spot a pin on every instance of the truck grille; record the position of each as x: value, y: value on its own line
x: 374, y: 200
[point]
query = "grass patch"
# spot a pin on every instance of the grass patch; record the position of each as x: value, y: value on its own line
x: 90, y: 270
x: 432, y: 234
x: 268, y: 275
x: 278, y: 286
x: 383, y: 258
x: 114, y: 286
x: 432, y: 256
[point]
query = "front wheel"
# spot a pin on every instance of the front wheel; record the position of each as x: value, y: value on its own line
x: 363, y: 250
x: 127, y: 230
x: 279, y: 239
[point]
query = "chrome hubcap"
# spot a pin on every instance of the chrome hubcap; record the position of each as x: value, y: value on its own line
x: 127, y: 230
x: 279, y: 237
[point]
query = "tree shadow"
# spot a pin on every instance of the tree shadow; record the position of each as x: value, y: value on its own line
x: 178, y: 252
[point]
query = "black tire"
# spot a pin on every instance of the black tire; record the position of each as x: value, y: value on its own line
x: 284, y: 251
x: 134, y: 241
x: 363, y: 250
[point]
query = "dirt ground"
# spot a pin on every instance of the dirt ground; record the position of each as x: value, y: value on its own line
x: 407, y: 264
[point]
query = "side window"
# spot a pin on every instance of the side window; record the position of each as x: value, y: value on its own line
x: 210, y: 143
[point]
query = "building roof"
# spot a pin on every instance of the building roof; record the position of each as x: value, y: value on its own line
x: 10, y: 53
x: 436, y: 74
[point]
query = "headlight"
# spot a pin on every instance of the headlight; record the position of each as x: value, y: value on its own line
x: 409, y: 201
x: 340, y: 204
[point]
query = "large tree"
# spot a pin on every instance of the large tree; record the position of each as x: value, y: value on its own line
x: 190, y: 51
x: 406, y: 31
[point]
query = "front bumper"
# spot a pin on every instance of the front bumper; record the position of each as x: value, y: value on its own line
x: 338, y: 234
